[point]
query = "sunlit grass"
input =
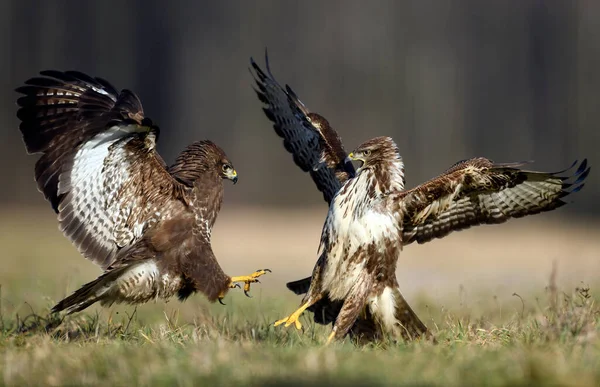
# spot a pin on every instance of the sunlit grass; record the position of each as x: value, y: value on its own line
x: 544, y: 336
x: 553, y: 342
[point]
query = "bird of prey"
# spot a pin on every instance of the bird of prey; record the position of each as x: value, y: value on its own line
x: 372, y: 216
x: 146, y: 224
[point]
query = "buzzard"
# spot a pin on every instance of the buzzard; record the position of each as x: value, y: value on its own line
x: 146, y: 224
x: 372, y: 216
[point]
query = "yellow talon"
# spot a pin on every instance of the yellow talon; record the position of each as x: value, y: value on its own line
x: 288, y: 321
x: 250, y: 278
x: 293, y: 318
x: 330, y: 338
x: 247, y: 280
x: 222, y: 294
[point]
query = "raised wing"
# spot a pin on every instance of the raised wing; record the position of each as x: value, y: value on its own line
x: 315, y: 145
x: 477, y: 191
x: 98, y: 168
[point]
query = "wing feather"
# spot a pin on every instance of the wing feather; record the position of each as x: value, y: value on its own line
x: 477, y: 191
x: 315, y: 145
x: 98, y: 152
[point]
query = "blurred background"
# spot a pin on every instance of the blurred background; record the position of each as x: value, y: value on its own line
x: 509, y: 80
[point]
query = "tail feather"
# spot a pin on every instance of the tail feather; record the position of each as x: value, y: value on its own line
x: 88, y: 294
x: 300, y: 286
x: 326, y: 311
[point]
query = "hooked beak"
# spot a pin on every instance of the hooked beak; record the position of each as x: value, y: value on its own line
x: 232, y: 176
x: 352, y: 157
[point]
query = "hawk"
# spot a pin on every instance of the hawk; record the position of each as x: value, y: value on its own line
x: 372, y: 216
x: 146, y: 224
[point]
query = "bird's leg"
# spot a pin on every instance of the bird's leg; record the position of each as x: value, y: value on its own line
x: 293, y: 318
x: 353, y: 305
x: 331, y: 337
x: 247, y: 280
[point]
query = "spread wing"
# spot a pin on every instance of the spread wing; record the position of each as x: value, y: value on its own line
x: 314, y: 144
x: 98, y: 168
x: 477, y: 191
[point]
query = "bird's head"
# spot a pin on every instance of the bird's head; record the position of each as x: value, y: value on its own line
x: 202, y: 157
x: 376, y: 151
x: 228, y: 171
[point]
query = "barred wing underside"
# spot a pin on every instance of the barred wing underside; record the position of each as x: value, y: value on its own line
x: 477, y: 191
x: 97, y: 159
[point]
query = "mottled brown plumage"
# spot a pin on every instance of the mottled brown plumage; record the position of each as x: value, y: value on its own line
x: 147, y: 225
x: 371, y: 217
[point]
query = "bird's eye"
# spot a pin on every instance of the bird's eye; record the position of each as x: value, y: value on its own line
x: 367, y: 152
x: 226, y: 167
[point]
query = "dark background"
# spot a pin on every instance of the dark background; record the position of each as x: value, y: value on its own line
x: 448, y: 80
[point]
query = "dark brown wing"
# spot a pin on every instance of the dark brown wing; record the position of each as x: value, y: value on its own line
x: 315, y: 145
x: 477, y: 191
x: 98, y: 168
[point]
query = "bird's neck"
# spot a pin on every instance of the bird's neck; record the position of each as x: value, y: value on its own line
x: 206, y: 199
x: 383, y: 177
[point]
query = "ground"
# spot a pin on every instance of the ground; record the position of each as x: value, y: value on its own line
x: 500, y: 313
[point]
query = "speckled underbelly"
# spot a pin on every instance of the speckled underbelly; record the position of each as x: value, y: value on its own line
x: 142, y: 283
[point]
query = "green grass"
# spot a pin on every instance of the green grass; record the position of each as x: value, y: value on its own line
x: 484, y: 336
x: 551, y: 340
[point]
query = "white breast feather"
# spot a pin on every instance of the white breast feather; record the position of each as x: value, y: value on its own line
x: 351, y: 233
